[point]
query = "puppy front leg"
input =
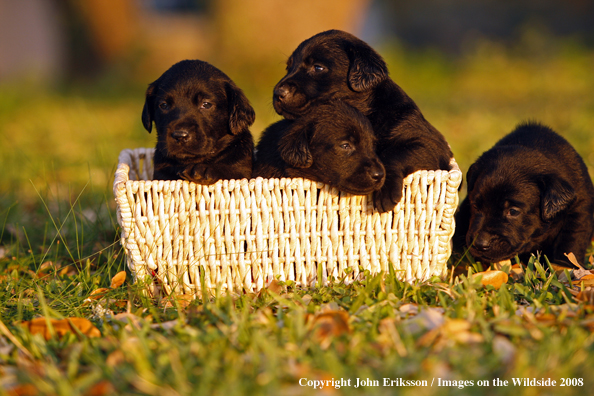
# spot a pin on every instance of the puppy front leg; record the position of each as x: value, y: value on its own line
x: 199, y: 173
x: 386, y: 198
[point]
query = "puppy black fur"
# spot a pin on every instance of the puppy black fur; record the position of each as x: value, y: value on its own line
x: 530, y: 193
x: 202, y: 120
x: 333, y: 144
x: 335, y: 65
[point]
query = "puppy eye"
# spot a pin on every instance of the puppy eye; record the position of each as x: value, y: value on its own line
x: 346, y: 146
x: 164, y: 106
x: 512, y: 212
x: 206, y: 105
x: 319, y: 68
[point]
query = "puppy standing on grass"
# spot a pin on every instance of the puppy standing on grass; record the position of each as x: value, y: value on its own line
x: 202, y: 120
x: 530, y: 193
x: 336, y: 65
x: 333, y: 144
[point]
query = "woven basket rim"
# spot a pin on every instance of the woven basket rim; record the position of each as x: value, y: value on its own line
x: 125, y: 161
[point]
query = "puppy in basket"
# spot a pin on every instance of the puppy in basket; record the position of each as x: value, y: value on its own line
x: 333, y: 144
x: 202, y: 120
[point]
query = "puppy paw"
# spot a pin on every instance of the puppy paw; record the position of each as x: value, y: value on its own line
x: 388, y: 196
x: 200, y: 174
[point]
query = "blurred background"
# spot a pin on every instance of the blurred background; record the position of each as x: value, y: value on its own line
x: 73, y: 74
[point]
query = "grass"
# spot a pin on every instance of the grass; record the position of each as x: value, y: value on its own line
x: 59, y: 243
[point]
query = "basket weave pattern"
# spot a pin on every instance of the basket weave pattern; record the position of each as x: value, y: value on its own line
x: 238, y: 234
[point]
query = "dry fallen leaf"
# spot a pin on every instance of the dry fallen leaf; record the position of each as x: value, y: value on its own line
x: 183, y: 300
x: 547, y: 319
x: 61, y: 327
x: 587, y: 280
x: 23, y: 390
x: 493, y: 278
x: 571, y: 257
x: 330, y: 324
x: 580, y: 272
x: 118, y: 279
x: 98, y: 293
x: 586, y: 295
x: 115, y: 358
x: 100, y: 388
x: 501, y: 264
x: 275, y: 286
x: 517, y: 272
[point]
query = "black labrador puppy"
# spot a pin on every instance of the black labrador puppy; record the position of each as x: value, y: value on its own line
x: 530, y: 193
x: 202, y: 120
x: 335, y: 65
x: 333, y: 144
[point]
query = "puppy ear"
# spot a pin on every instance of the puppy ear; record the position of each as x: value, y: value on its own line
x: 294, y: 147
x: 241, y: 113
x: 556, y: 195
x: 367, y: 68
x: 470, y: 177
x: 148, y: 114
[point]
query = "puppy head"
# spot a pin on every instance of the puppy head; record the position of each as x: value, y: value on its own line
x: 513, y: 204
x: 196, y: 109
x: 334, y: 144
x: 330, y: 65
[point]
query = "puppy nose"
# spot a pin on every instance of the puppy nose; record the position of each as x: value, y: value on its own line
x: 377, y: 174
x: 482, y: 243
x: 180, y: 135
x: 281, y: 92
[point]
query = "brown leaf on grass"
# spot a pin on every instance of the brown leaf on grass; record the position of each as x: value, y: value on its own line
x: 98, y: 293
x: 118, y: 279
x: 499, y: 266
x: 493, y: 278
x: 459, y: 331
x: 581, y: 271
x: 330, y: 324
x: 450, y: 331
x: 275, y: 287
x: 571, y: 257
x: 181, y: 300
x: 115, y: 358
x: 61, y: 327
x: 547, y: 319
x: 517, y: 272
x: 586, y: 280
x: 23, y: 390
x: 45, y: 269
x: 100, y: 388
x: 68, y: 270
x: 587, y: 295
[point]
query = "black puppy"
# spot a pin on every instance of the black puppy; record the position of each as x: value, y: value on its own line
x: 530, y: 192
x: 335, y: 65
x: 333, y: 144
x: 202, y: 120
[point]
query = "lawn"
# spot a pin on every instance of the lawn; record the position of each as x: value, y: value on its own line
x: 60, y: 258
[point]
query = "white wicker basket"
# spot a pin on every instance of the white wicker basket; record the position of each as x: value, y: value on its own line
x: 239, y: 234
